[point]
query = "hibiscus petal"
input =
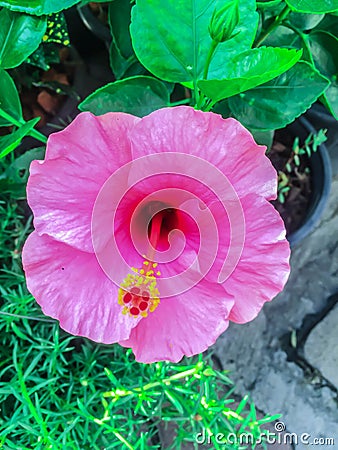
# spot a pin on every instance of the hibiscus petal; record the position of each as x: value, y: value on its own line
x: 71, y: 287
x: 99, y: 142
x: 225, y: 143
x: 182, y: 325
x: 263, y: 268
x: 62, y: 189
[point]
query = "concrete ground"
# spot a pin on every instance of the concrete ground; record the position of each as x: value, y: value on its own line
x: 287, y: 358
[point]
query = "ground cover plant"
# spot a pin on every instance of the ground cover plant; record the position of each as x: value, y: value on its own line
x: 62, y: 392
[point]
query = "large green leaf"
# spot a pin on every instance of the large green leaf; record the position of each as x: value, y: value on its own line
x: 329, y: 24
x: 38, y: 7
x: 123, y: 60
x: 324, y: 49
x: 313, y: 6
x: 20, y: 35
x: 305, y: 21
x: 268, y: 4
x: 280, y: 101
x: 171, y: 38
x: 137, y: 95
x: 9, y: 142
x: 283, y: 37
x: 250, y: 69
x: 9, y: 100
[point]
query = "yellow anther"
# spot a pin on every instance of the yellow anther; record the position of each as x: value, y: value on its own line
x: 138, y: 293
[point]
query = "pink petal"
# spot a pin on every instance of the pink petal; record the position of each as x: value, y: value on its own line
x: 183, y: 325
x: 263, y: 268
x: 120, y: 229
x: 62, y: 189
x: 223, y: 142
x: 100, y: 142
x: 70, y: 286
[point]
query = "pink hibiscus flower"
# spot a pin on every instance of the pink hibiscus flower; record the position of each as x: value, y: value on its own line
x: 154, y: 232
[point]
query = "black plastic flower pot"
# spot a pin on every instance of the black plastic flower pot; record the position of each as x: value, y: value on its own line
x: 321, y: 174
x: 81, y: 32
x: 94, y: 24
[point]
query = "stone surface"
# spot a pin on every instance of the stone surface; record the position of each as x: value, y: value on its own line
x: 321, y: 347
x: 237, y: 352
x: 254, y: 354
x: 314, y: 274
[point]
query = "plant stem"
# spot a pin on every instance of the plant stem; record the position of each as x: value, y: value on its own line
x: 195, y: 92
x: 304, y: 40
x: 34, y: 133
x: 279, y: 19
x: 210, y: 106
x: 17, y: 316
x: 212, y: 49
x: 181, y: 102
x: 177, y: 376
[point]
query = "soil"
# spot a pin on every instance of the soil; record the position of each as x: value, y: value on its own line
x: 294, y: 210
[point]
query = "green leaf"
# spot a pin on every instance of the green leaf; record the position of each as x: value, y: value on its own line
x: 283, y: 37
x: 263, y: 137
x: 9, y: 142
x: 250, y: 69
x: 329, y: 24
x: 172, y: 41
x: 57, y: 30
x: 313, y: 6
x: 268, y: 4
x: 44, y: 56
x: 324, y: 49
x: 123, y: 60
x: 136, y: 95
x: 305, y: 21
x: 9, y: 100
x: 175, y: 400
x: 280, y: 101
x: 18, y: 171
x: 38, y: 7
x: 20, y: 35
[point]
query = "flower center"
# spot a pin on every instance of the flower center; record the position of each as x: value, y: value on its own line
x: 138, y: 294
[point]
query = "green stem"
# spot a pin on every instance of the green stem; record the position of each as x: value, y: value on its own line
x: 30, y: 404
x: 279, y: 19
x: 34, y: 133
x: 177, y: 376
x: 195, y: 92
x: 305, y: 41
x: 181, y: 102
x: 210, y: 105
x: 17, y: 316
x: 212, y: 49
